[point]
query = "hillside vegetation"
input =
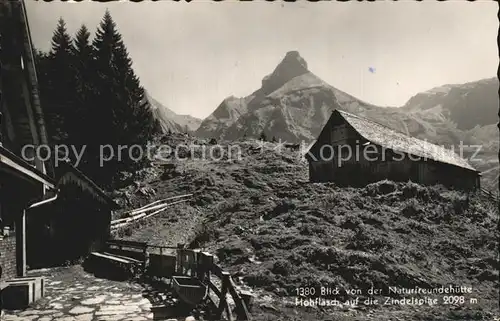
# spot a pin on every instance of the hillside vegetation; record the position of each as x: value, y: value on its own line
x: 277, y: 232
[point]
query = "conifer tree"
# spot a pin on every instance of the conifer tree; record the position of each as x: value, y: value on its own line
x: 60, y: 88
x: 84, y: 81
x: 83, y: 48
x: 122, y: 112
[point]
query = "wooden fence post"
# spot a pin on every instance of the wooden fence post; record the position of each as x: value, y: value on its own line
x: 146, y: 258
x: 191, y: 262
x: 208, y: 265
x: 180, y: 257
x: 247, y: 299
x: 223, y: 300
x: 201, y: 267
x: 241, y: 307
x: 196, y: 263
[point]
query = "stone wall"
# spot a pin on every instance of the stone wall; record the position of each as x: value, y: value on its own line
x: 8, y: 256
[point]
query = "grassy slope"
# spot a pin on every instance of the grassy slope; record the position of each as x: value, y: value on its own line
x: 275, y: 232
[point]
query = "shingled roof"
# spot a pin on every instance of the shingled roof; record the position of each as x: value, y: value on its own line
x: 387, y: 137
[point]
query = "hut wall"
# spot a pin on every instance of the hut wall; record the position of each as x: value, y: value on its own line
x: 83, y: 224
x: 8, y: 258
x: 12, y: 202
x: 321, y: 171
x: 456, y: 177
x: 72, y: 227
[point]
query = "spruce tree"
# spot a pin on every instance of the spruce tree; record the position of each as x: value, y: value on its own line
x: 82, y: 46
x: 60, y: 89
x: 61, y: 44
x: 122, y: 113
x: 84, y: 82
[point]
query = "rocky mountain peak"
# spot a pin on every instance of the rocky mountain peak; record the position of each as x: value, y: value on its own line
x: 291, y: 66
x: 293, y: 58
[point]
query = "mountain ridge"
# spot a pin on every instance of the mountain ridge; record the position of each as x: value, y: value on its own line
x: 169, y: 120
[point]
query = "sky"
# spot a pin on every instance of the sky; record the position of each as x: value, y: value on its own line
x: 190, y: 56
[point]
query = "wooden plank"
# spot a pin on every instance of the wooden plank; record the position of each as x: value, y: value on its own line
x: 241, y: 308
x: 190, y: 263
x: 223, y: 305
x: 162, y: 247
x: 164, y: 208
x: 22, y: 169
x: 122, y: 257
x: 109, y: 257
x: 149, y: 209
x: 214, y: 288
x: 127, y: 219
x: 126, y: 242
x: 180, y: 258
x: 134, y: 244
x: 208, y: 265
x: 143, y: 216
x: 217, y: 270
x: 248, y: 299
x: 156, y: 202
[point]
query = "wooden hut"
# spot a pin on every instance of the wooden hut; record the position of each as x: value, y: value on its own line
x: 74, y: 225
x: 25, y: 182
x: 354, y: 151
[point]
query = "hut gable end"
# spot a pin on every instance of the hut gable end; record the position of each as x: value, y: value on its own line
x: 337, y: 131
x: 378, y: 134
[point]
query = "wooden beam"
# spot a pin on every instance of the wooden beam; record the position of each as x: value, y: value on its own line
x: 21, y: 244
x: 14, y: 165
x: 223, y: 305
x: 214, y: 288
x: 241, y: 308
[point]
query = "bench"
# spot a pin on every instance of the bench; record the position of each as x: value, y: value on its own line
x: 112, y: 266
x: 128, y: 250
x: 111, y: 257
x: 121, y: 258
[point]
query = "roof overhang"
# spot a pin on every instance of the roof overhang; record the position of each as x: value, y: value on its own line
x: 71, y: 174
x: 13, y: 163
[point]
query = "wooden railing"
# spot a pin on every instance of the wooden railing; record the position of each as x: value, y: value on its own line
x: 201, y: 265
x: 198, y: 264
x: 490, y: 195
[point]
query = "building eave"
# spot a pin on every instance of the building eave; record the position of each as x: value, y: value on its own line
x: 72, y: 174
x: 18, y: 165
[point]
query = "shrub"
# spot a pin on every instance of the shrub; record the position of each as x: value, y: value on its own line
x: 364, y: 240
x: 203, y: 235
x: 282, y: 267
x: 411, y: 208
x: 351, y: 223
